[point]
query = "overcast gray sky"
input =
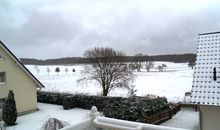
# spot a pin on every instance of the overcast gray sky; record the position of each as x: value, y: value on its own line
x: 65, y: 28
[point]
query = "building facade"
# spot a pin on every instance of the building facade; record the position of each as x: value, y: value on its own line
x: 206, y: 80
x: 15, y: 76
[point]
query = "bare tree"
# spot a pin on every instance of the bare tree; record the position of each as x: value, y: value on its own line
x: 132, y: 91
x: 107, y: 68
x: 149, y: 65
x: 66, y: 70
x: 161, y: 68
x: 138, y: 61
x: 48, y: 70
x: 37, y: 69
x: 191, y: 63
x: 131, y: 66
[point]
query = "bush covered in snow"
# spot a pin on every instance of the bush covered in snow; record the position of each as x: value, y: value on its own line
x: 54, y: 124
x: 9, y: 112
x: 51, y: 97
x: 86, y: 102
x: 136, y: 110
x: 133, y: 109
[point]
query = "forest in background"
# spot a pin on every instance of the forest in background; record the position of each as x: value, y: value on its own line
x: 178, y: 58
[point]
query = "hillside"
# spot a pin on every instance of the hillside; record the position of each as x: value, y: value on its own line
x: 178, y: 58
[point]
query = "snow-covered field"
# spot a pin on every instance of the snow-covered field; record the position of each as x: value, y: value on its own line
x: 173, y: 83
x: 35, y: 120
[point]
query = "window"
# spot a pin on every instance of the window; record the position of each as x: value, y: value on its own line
x: 1, y: 57
x: 2, y: 101
x: 2, y: 77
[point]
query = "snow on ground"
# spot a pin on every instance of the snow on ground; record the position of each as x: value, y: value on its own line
x: 187, y: 118
x: 35, y: 120
x: 173, y: 83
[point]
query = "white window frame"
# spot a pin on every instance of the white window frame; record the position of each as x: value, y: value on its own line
x: 1, y: 57
x: 2, y: 101
x: 3, y: 83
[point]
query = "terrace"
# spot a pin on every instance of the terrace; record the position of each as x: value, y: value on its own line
x: 81, y: 119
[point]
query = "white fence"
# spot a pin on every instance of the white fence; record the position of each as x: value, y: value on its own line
x: 95, y: 122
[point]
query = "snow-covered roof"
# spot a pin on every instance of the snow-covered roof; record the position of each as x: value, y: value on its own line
x: 206, y: 80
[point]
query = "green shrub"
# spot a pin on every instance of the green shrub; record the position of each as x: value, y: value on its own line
x: 132, y: 109
x: 9, y: 112
x: 51, y: 97
x: 136, y: 110
x: 86, y: 102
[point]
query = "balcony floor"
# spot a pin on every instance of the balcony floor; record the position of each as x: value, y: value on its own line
x: 187, y: 118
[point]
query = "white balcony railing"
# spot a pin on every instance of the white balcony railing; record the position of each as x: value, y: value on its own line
x: 95, y: 122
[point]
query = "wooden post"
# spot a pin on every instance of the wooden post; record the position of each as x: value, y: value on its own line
x: 170, y: 114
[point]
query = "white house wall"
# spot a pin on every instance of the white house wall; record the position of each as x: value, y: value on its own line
x: 210, y: 118
x: 205, y: 89
x: 17, y: 80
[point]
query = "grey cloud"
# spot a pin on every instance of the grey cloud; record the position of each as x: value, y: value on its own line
x: 68, y: 28
x: 43, y: 28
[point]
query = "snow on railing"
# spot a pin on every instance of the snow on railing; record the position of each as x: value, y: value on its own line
x: 95, y: 122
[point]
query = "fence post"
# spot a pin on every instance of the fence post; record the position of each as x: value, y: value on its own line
x: 170, y: 114
x: 160, y: 117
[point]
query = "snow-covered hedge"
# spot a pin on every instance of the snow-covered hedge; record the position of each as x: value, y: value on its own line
x: 51, y: 97
x: 136, y: 110
x: 132, y: 109
x: 86, y: 102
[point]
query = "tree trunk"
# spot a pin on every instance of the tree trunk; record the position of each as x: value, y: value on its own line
x: 105, y: 92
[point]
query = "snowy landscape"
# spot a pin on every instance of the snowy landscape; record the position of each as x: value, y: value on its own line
x: 172, y: 83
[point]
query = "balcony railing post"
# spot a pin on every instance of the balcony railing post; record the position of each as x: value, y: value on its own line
x: 94, y: 113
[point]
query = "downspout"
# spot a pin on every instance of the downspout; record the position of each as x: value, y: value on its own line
x: 200, y: 118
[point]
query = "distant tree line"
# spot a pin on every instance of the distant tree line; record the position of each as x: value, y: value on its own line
x: 178, y: 58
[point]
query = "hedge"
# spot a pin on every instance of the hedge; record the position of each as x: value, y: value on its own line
x: 136, y: 110
x: 132, y: 109
x: 86, y: 102
x: 51, y: 97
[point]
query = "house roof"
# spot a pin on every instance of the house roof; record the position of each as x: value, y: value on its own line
x: 16, y: 60
x: 208, y: 33
x: 205, y: 88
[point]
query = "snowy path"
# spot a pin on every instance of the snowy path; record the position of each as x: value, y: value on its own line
x: 187, y: 118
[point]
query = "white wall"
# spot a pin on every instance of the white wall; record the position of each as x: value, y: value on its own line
x: 210, y: 117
